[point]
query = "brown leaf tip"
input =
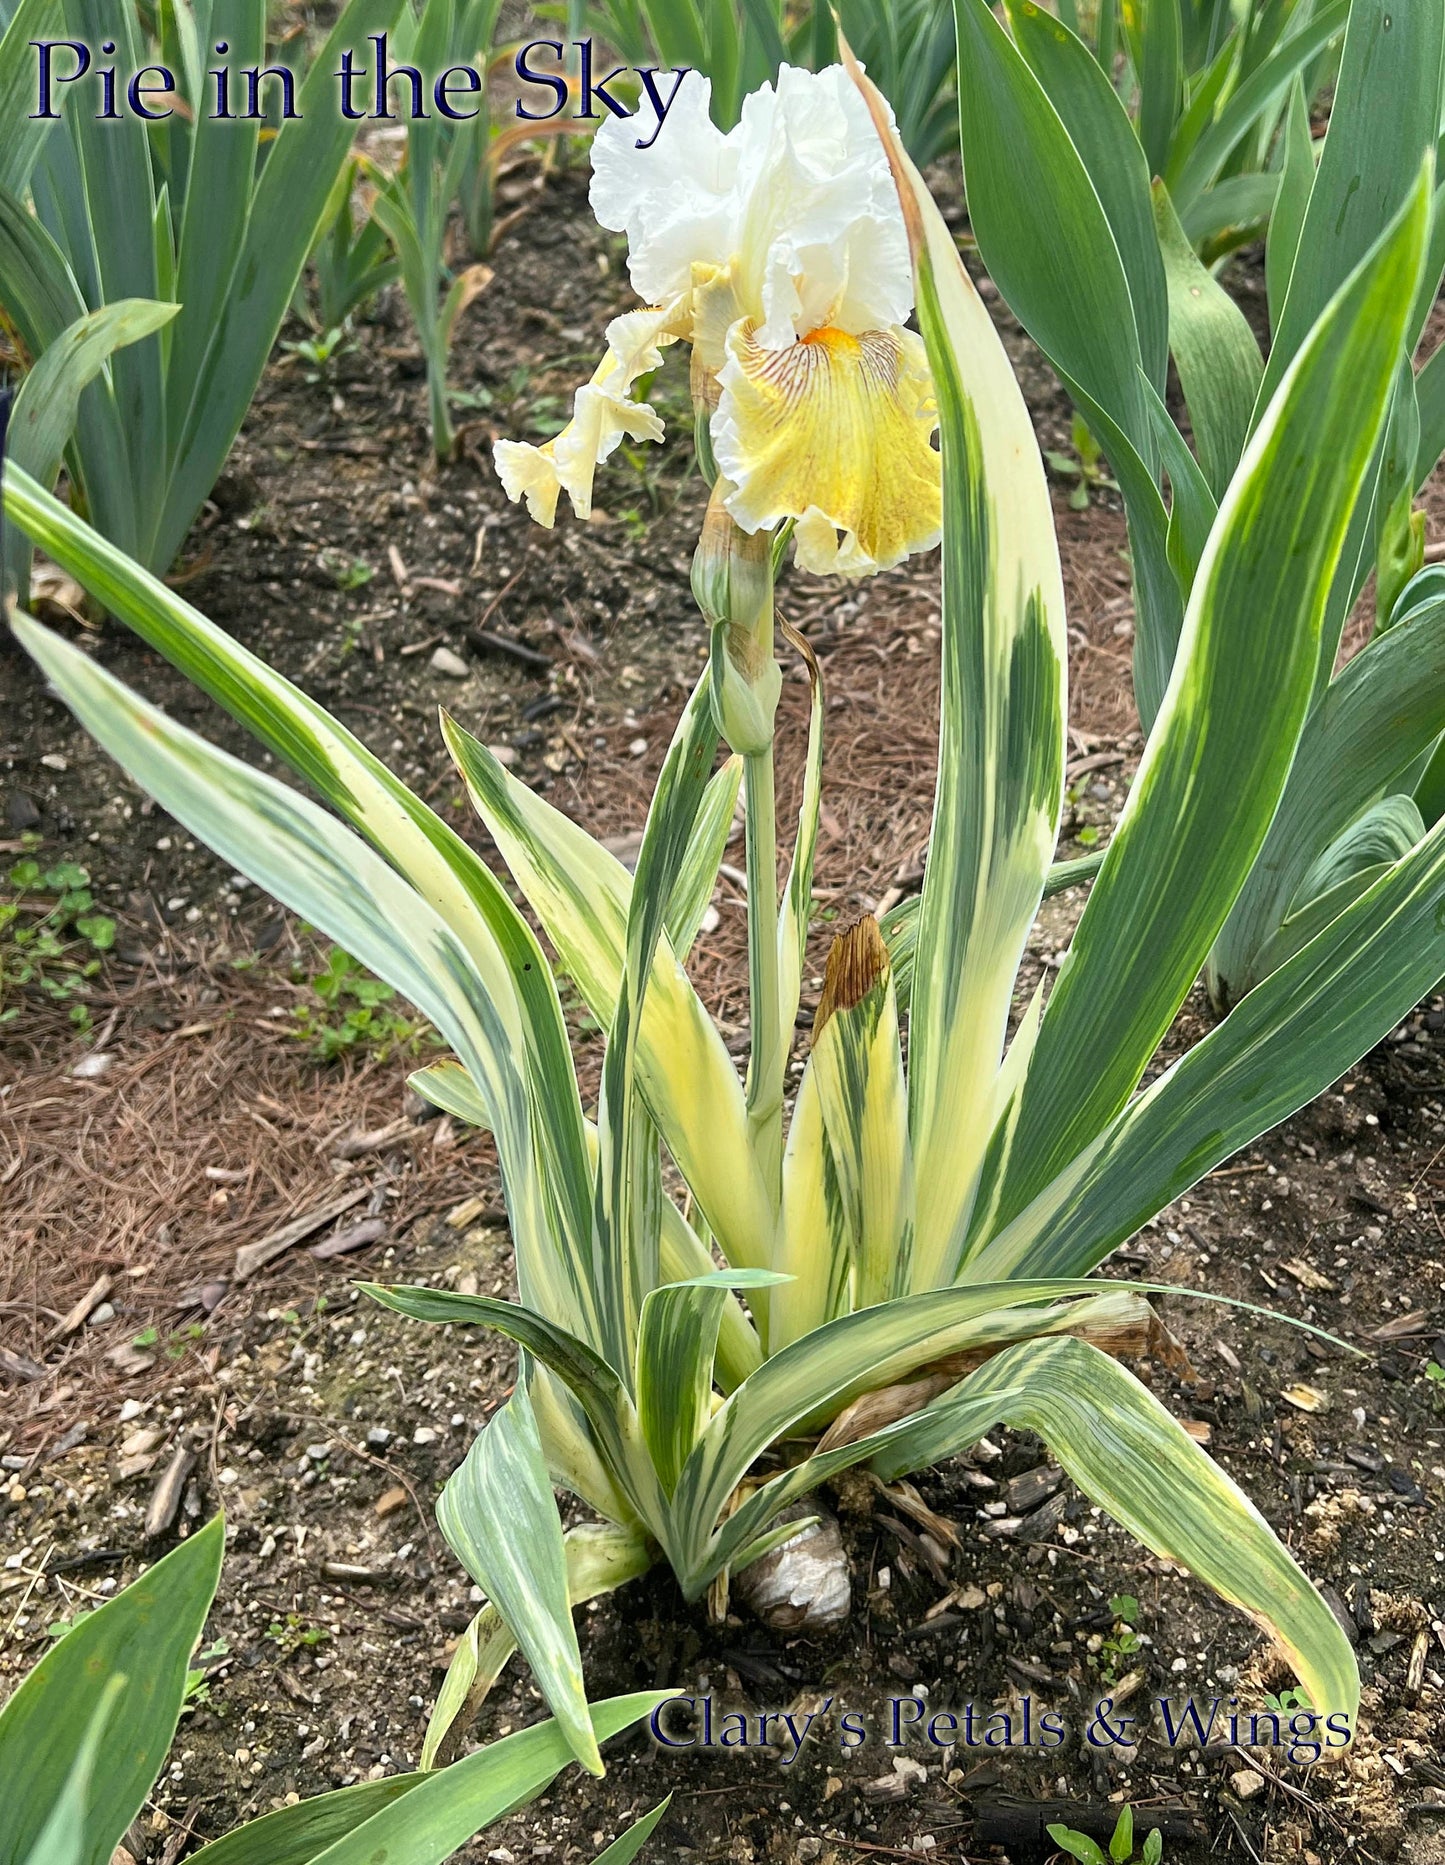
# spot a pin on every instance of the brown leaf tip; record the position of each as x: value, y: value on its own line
x: 857, y: 960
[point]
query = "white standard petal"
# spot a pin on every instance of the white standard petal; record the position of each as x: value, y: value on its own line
x: 674, y: 199
x: 821, y: 237
x: 796, y: 200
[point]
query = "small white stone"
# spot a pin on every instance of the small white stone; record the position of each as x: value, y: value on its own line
x: 53, y: 761
x: 638, y: 748
x: 424, y: 1434
x: 445, y: 660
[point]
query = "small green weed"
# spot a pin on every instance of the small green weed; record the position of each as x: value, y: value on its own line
x: 1084, y: 467
x: 345, y: 572
x: 322, y: 350
x: 293, y: 1633
x: 198, y: 1688
x: 1118, y: 1649
x: 177, y: 1342
x: 1121, y: 1846
x: 353, y: 1012
x: 51, y: 937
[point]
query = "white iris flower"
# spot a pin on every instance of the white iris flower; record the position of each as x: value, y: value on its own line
x: 778, y: 252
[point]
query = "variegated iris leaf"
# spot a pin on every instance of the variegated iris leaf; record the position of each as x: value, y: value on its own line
x: 1001, y: 743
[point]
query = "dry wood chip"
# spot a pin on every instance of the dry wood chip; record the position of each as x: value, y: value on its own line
x: 92, y: 1297
x: 354, y: 1237
x: 354, y: 1145
x: 1418, y: 1321
x: 17, y: 1366
x: 253, y: 1256
x: 166, y: 1496
x: 1305, y: 1276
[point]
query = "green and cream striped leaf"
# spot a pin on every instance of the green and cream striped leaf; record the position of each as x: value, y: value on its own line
x: 1001, y: 742
x: 1378, y: 716
x: 1127, y: 1453
x: 1121, y: 1314
x: 899, y: 925
x: 811, y: 1379
x: 576, y: 1460
x: 581, y: 894
x: 1217, y: 356
x: 1225, y: 738
x: 697, y: 882
x: 1003, y: 1118
x: 1282, y: 1044
x: 858, y: 1061
x: 615, y: 1434
x: 812, y: 1243
x: 500, y: 1519
x: 682, y: 1256
x: 628, y: 1212
x: 447, y: 1085
x: 798, y: 894
x: 593, y: 1382
x: 499, y: 945
x: 314, y: 865
x: 421, y: 1819
x: 676, y: 1345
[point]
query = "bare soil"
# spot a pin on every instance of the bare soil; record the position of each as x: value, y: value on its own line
x: 337, y: 549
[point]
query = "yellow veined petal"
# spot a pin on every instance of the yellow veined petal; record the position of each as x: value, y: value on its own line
x: 602, y: 412
x: 599, y: 420
x: 836, y: 432
x: 531, y: 473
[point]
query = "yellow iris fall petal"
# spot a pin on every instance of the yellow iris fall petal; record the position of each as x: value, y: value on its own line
x: 835, y: 431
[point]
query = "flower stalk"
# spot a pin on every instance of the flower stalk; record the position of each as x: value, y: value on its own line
x: 732, y: 579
